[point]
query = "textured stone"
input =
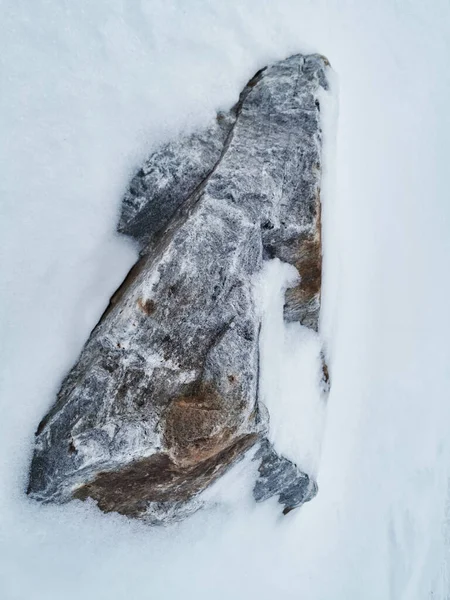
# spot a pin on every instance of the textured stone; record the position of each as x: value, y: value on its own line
x: 164, y: 397
x: 280, y: 477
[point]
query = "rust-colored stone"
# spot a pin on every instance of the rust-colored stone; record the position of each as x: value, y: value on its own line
x: 158, y: 478
x: 147, y: 306
x: 197, y: 427
x: 302, y: 302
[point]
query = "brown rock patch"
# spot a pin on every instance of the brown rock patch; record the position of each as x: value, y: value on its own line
x: 197, y: 427
x: 147, y: 306
x: 158, y: 479
x: 302, y: 302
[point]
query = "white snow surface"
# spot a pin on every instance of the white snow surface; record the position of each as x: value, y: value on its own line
x: 88, y: 88
x: 290, y: 371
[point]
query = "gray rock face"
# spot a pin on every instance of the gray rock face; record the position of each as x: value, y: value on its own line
x: 280, y: 477
x: 164, y: 397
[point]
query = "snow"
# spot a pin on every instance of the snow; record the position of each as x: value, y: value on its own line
x: 87, y: 89
x: 290, y: 367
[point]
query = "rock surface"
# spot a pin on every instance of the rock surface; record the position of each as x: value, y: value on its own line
x: 164, y: 397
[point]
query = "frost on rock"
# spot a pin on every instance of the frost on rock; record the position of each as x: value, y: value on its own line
x: 164, y: 397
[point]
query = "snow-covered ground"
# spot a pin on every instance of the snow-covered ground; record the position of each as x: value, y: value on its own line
x: 87, y: 88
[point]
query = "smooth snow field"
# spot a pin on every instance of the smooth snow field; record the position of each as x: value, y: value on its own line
x: 88, y: 88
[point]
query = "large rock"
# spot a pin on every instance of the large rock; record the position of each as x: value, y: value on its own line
x: 164, y: 397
